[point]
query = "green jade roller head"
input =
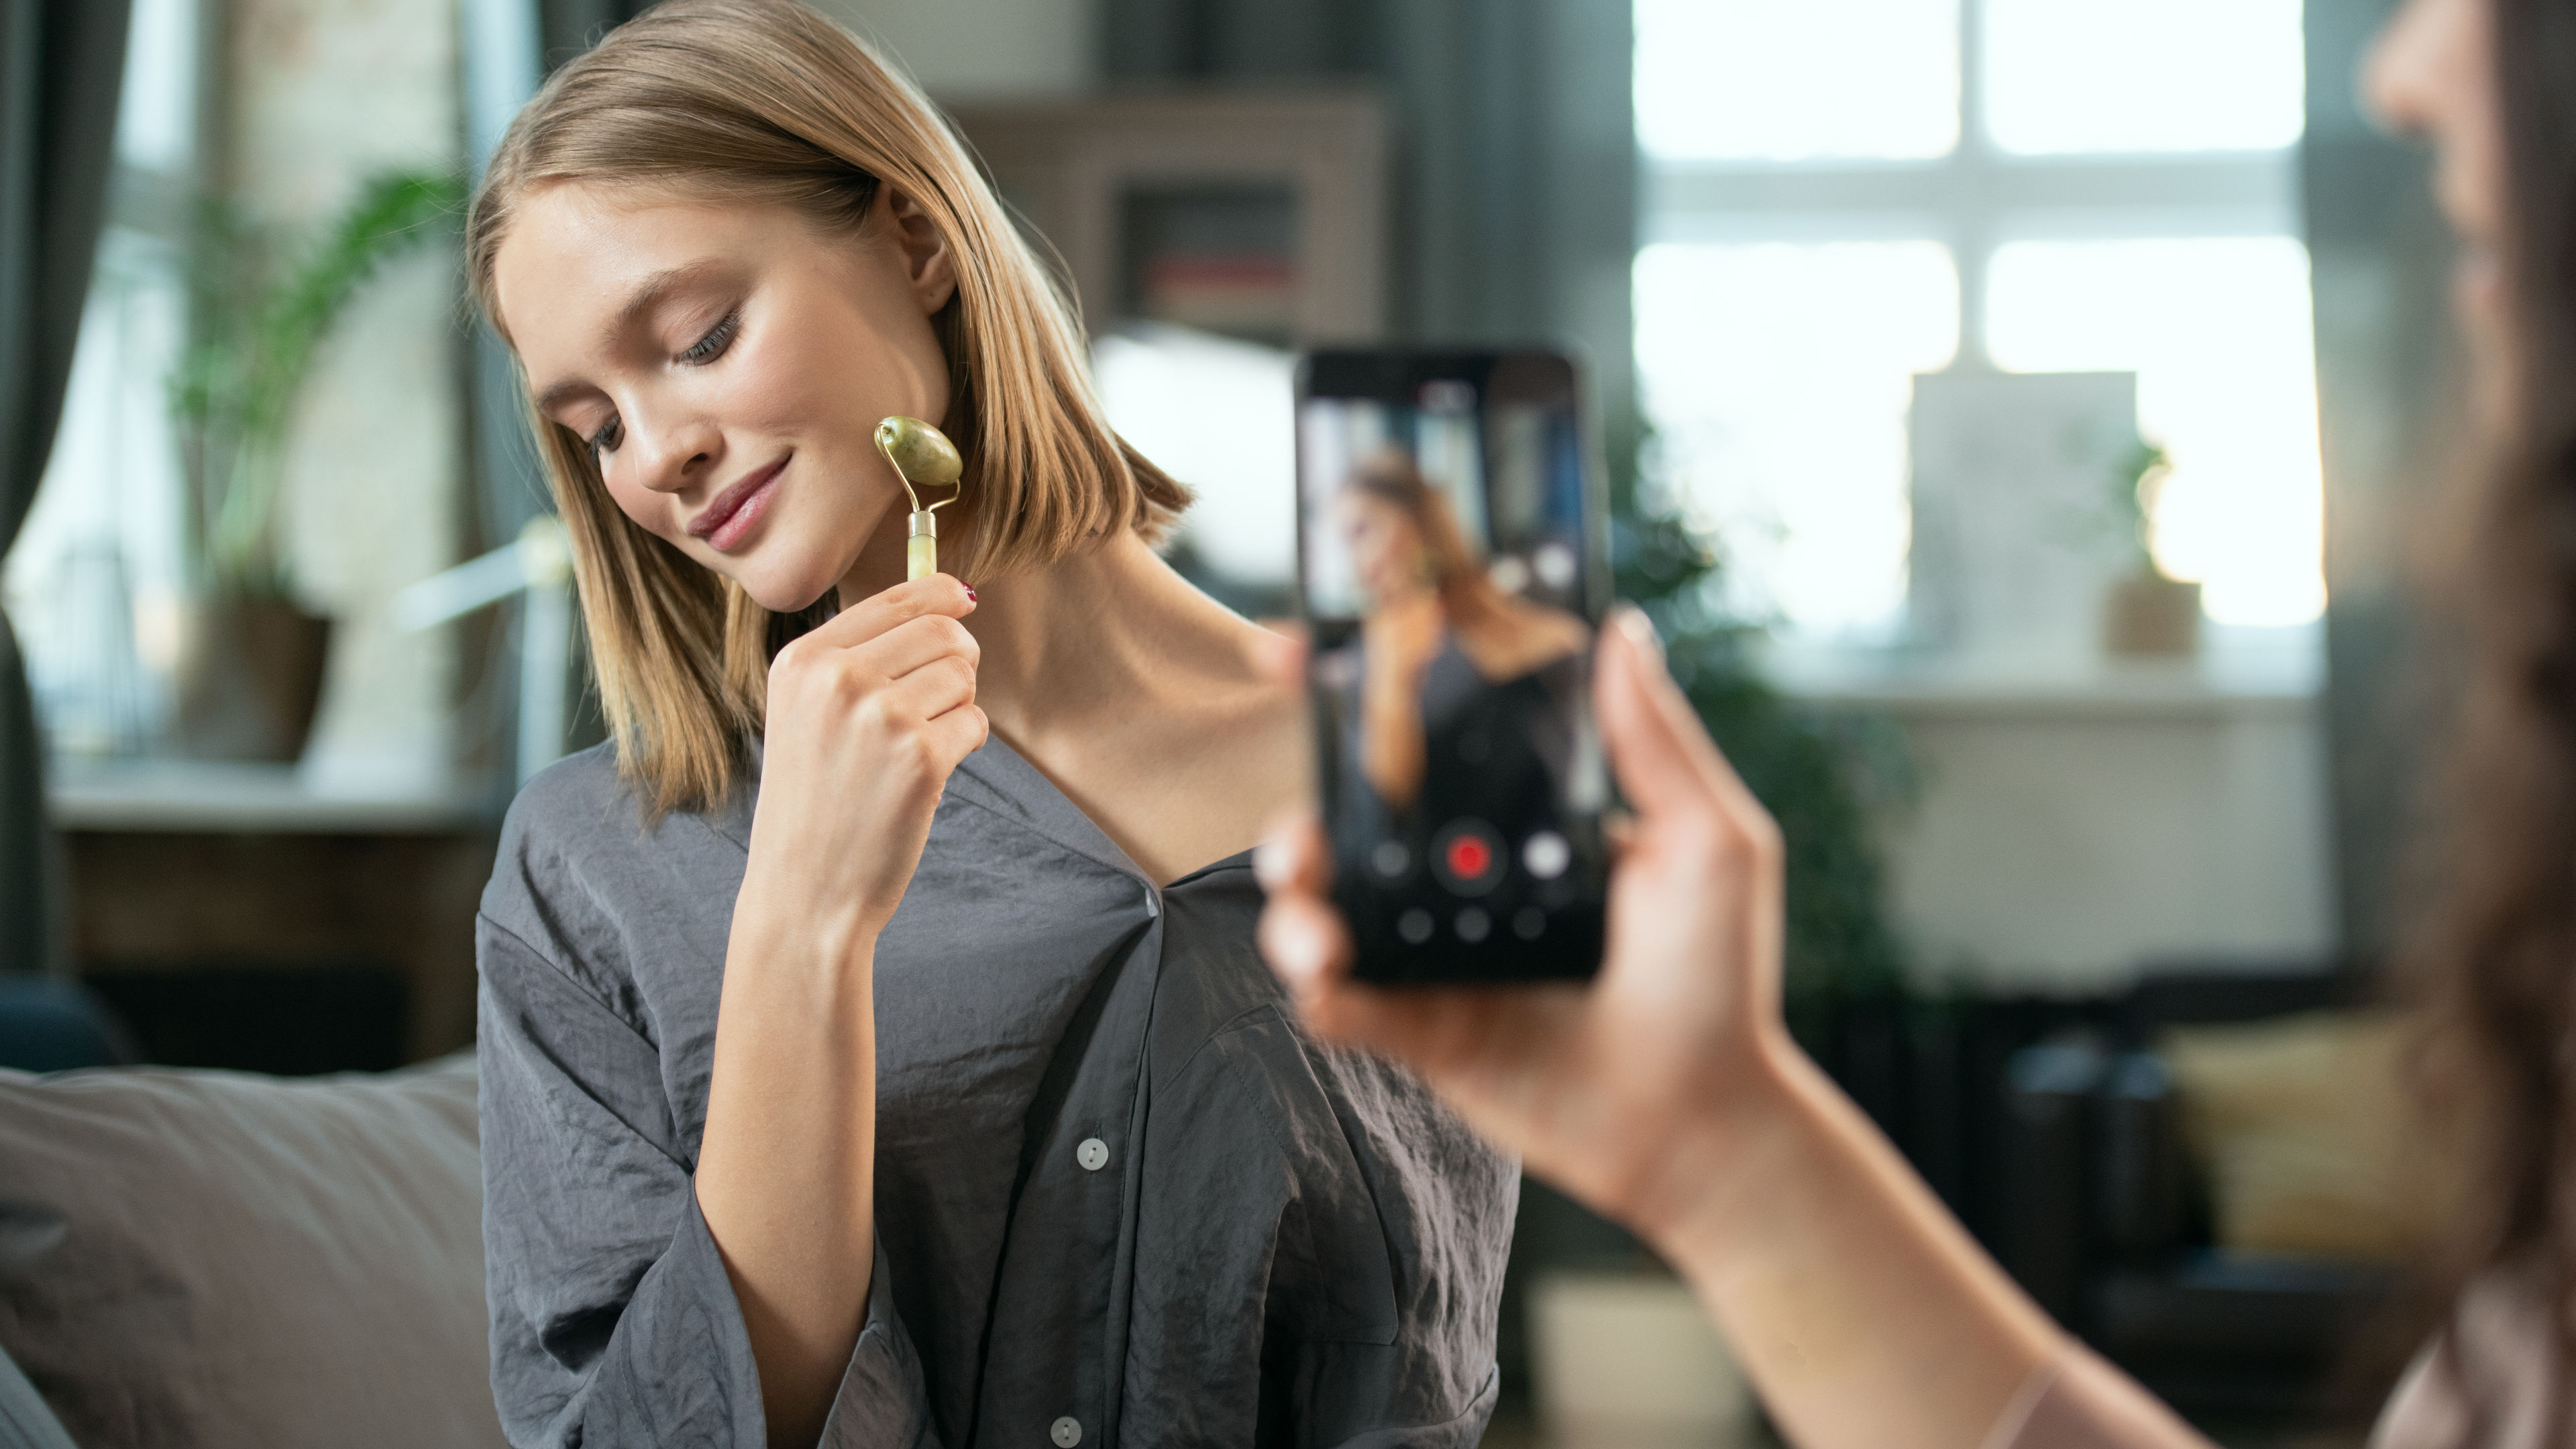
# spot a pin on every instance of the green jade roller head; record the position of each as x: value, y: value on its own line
x: 923, y: 458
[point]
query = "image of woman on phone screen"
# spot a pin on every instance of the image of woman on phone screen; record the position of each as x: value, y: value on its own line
x: 1467, y: 696
x: 874, y: 1047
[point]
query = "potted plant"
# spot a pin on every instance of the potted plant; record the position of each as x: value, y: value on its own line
x: 2144, y: 613
x: 250, y: 673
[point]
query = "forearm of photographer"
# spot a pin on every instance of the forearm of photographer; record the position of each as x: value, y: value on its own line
x: 1668, y: 1095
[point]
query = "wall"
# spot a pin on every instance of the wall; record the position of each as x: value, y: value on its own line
x: 323, y: 93
x: 982, y: 50
x: 2063, y: 841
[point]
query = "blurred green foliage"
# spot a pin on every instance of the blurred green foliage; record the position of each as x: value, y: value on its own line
x: 253, y: 329
x: 1833, y: 781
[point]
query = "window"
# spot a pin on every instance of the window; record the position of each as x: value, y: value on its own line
x: 1842, y: 193
x: 95, y: 578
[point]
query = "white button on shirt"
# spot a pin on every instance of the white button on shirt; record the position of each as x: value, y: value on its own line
x: 1093, y: 1154
x: 1066, y: 1432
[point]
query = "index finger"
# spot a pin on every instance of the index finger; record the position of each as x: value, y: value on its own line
x: 877, y: 613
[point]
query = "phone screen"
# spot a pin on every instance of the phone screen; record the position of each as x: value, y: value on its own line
x: 1449, y: 563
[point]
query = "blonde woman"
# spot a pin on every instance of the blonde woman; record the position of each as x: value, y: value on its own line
x: 874, y: 1047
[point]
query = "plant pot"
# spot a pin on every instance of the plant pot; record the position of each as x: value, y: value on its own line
x: 250, y: 679
x: 2150, y: 616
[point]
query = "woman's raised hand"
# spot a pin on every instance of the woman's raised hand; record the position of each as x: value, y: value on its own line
x: 867, y: 716
x: 1607, y: 1090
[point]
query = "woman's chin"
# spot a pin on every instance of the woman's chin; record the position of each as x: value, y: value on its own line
x: 788, y: 591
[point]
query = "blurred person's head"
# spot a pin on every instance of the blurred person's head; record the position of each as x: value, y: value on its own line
x: 724, y: 244
x: 1402, y: 535
x: 2492, y: 85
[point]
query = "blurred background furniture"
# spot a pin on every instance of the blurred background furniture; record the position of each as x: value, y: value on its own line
x: 2117, y: 1217
x: 242, y: 1262
x: 237, y: 915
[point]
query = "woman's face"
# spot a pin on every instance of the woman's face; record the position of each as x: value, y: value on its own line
x: 728, y: 365
x: 1386, y: 547
x: 2432, y: 73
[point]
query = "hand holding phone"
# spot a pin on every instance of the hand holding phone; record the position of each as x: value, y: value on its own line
x: 1599, y: 1087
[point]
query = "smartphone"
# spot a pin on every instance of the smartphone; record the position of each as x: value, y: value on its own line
x: 1452, y: 570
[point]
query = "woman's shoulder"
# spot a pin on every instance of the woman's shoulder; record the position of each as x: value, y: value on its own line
x: 581, y: 858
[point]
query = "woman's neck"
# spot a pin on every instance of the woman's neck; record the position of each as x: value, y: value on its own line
x: 1095, y: 638
x: 1091, y: 640
x: 1141, y: 698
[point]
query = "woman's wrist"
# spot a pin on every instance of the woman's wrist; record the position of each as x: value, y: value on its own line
x: 826, y: 940
x: 1723, y: 1148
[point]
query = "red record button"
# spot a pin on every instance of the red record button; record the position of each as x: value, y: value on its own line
x: 1467, y: 855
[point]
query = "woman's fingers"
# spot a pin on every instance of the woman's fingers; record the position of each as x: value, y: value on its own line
x: 916, y: 644
x: 958, y: 733
x: 1657, y: 745
x: 942, y: 683
x: 1294, y: 856
x: 1306, y: 942
x: 1647, y: 750
x: 878, y: 613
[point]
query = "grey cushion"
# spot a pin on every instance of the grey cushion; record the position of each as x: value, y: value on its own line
x: 215, y: 1259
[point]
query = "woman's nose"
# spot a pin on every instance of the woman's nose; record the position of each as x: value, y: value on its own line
x: 670, y: 457
x: 2412, y: 63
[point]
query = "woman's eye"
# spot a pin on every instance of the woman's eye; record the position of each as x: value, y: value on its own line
x: 718, y: 338
x: 606, y: 439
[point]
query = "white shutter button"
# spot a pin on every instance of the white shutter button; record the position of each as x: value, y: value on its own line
x: 1066, y: 1432
x: 1093, y: 1154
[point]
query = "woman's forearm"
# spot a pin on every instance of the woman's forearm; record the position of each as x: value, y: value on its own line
x: 786, y: 1169
x: 1859, y: 1307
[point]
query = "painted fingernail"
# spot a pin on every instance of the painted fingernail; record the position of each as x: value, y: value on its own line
x: 970, y: 594
x: 1270, y: 863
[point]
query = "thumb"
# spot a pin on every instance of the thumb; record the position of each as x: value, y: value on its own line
x: 1656, y: 744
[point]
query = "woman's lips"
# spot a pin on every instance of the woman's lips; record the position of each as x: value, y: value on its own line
x: 727, y: 521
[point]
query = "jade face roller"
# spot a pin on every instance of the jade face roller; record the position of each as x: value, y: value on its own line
x: 923, y: 458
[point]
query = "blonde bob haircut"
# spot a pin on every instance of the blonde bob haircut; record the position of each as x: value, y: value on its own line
x: 764, y: 101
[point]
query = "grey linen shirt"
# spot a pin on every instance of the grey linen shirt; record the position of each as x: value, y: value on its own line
x: 1120, y: 1198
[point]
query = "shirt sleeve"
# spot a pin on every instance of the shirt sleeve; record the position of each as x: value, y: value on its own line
x: 2080, y: 1402
x: 614, y: 1322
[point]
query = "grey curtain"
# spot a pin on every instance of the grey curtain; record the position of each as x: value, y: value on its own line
x: 60, y: 65
x: 1515, y: 147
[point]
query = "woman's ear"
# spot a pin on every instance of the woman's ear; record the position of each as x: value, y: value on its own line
x: 927, y: 259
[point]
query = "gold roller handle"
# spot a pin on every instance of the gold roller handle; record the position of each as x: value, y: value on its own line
x: 923, y: 458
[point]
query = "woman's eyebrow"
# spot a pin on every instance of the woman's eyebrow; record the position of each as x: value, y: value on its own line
x: 654, y: 289
x: 650, y: 294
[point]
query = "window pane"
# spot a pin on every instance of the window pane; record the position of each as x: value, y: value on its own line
x: 94, y: 578
x: 2219, y: 333
x: 2144, y: 75
x: 1776, y: 377
x: 1785, y: 80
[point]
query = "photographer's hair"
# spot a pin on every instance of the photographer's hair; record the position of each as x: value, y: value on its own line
x: 2495, y: 955
x: 764, y: 101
